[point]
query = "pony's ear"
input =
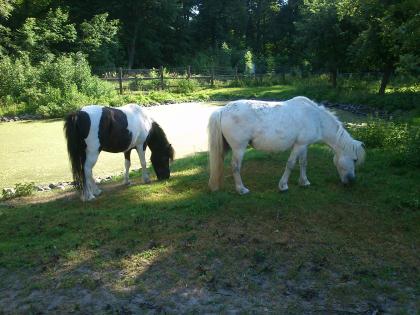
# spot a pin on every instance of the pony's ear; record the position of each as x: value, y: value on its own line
x: 171, y: 152
x: 360, y: 153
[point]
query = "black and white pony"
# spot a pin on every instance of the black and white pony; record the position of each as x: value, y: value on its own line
x: 278, y: 126
x: 97, y: 128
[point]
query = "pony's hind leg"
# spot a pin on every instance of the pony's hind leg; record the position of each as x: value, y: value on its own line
x: 296, y: 151
x: 127, y: 165
x: 142, y: 157
x: 237, y: 156
x: 90, y: 189
x: 303, y: 180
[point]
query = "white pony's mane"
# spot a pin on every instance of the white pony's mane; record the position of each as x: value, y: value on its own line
x: 344, y: 141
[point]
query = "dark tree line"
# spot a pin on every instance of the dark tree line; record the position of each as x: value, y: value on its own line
x: 305, y: 35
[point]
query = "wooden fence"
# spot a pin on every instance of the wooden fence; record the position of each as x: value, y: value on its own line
x: 163, y: 78
x: 166, y: 78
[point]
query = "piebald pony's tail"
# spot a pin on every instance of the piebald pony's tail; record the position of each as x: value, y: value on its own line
x: 216, y: 150
x: 76, y: 148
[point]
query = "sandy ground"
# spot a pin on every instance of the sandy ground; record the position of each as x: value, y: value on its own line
x: 185, y: 125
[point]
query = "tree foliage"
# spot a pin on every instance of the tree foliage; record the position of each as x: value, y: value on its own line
x: 295, y: 35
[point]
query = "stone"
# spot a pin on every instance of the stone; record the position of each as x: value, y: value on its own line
x: 39, y: 188
x: 9, y: 192
x: 52, y: 186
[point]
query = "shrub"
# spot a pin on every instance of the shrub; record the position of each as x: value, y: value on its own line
x: 186, y: 86
x: 400, y: 140
x: 20, y: 190
x: 53, y: 87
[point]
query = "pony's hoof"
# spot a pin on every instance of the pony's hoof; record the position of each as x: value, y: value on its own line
x: 147, y: 180
x: 98, y: 192
x: 283, y: 188
x: 243, y: 191
x: 89, y: 198
x: 304, y: 183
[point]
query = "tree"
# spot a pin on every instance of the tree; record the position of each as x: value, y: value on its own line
x: 325, y: 35
x: 388, y: 35
x: 6, y: 7
x: 99, y: 40
x: 53, y: 34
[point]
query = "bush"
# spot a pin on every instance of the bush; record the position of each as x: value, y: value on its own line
x: 20, y: 190
x: 400, y: 140
x: 51, y: 88
x: 186, y: 86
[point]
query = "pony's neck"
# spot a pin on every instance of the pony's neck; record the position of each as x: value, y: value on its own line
x: 156, y: 139
x: 331, y: 129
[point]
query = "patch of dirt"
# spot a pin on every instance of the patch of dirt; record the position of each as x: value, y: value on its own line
x: 256, y: 275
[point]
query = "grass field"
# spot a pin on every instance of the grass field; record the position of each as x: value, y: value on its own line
x: 174, y: 247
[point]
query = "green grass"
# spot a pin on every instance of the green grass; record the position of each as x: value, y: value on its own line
x: 342, y: 245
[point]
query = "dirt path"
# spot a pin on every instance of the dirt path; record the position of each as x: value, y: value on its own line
x: 185, y: 125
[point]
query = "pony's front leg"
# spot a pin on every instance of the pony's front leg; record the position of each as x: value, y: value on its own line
x: 144, y: 171
x: 237, y: 156
x: 296, y: 151
x: 303, y: 180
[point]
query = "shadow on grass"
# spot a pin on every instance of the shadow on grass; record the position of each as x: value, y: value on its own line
x: 173, y: 246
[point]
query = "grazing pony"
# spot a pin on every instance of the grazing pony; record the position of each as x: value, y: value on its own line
x: 97, y: 128
x: 274, y: 127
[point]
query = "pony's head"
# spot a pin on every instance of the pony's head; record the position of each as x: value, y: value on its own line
x: 162, y: 151
x: 160, y: 161
x: 347, y: 158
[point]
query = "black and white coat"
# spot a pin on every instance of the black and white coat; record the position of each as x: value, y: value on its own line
x: 97, y: 128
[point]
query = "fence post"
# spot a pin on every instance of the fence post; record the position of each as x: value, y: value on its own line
x: 236, y: 73
x: 212, y: 76
x: 188, y: 72
x: 120, y: 79
x: 161, y: 77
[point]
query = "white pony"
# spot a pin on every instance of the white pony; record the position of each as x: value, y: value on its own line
x: 274, y: 127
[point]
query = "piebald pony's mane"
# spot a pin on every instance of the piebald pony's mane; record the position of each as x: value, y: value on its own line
x: 344, y: 141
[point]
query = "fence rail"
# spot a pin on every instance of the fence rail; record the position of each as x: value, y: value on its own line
x: 166, y: 78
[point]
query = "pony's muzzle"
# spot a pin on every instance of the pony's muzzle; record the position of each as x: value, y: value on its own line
x: 349, y: 179
x: 164, y: 176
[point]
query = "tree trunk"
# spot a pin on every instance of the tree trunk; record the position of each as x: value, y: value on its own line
x: 132, y: 48
x: 334, y: 78
x: 385, y: 78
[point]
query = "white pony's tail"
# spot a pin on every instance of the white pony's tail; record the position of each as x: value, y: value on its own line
x: 216, y: 150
